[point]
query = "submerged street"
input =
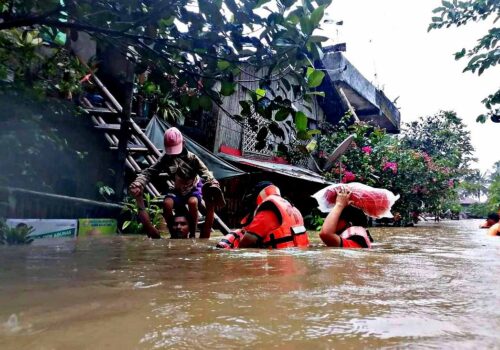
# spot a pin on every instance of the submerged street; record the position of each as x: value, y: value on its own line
x: 425, y: 286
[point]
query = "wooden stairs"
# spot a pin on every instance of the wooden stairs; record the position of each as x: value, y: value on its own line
x: 106, y: 119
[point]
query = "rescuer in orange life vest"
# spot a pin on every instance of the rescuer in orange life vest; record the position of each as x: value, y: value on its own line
x: 271, y: 222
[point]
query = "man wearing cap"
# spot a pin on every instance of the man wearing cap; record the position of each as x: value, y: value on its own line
x: 188, y: 181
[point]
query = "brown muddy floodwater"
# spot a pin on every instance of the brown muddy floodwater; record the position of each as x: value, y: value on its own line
x: 432, y: 286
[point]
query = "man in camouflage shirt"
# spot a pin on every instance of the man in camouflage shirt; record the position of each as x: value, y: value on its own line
x: 188, y: 179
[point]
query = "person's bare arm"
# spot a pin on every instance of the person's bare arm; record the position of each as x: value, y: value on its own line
x: 328, y: 230
x: 494, y: 230
x: 137, y: 186
x: 263, y: 223
x: 145, y: 219
x: 249, y: 240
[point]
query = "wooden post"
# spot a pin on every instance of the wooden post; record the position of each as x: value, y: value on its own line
x: 125, y: 131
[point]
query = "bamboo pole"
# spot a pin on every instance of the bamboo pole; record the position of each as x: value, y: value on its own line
x: 351, y: 108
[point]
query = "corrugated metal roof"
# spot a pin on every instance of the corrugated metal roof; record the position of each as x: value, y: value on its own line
x: 283, y: 169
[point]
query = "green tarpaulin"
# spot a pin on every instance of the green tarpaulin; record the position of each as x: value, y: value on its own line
x: 220, y: 168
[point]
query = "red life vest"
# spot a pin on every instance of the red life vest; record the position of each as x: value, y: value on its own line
x: 291, y: 232
x: 357, y: 234
x: 231, y: 240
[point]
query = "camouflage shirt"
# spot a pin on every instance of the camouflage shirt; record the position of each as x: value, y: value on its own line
x: 168, y: 164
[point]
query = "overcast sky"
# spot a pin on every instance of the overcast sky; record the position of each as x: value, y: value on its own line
x: 388, y: 42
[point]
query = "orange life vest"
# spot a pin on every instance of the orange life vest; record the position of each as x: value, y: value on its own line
x: 231, y: 240
x: 358, y: 234
x: 291, y: 232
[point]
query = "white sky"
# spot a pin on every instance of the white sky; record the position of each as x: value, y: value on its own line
x: 388, y: 42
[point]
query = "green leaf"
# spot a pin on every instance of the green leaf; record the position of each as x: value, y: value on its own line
x: 438, y: 9
x: 206, y: 102
x: 262, y: 134
x: 126, y: 224
x: 303, y: 135
x: 195, y: 103
x: 447, y: 4
x: 313, y: 132
x: 167, y: 22
x: 222, y: 65
x: 293, y: 19
x: 260, y: 145
x: 309, y: 71
x: 260, y: 3
x: 315, y: 79
x: 260, y: 93
x: 460, y: 54
x: 306, y: 26
x: 318, y: 38
x: 315, y: 49
x: 185, y: 100
x: 317, y: 15
x: 227, y: 88
x: 300, y: 121
x: 245, y: 108
x: 481, y: 119
x: 149, y: 87
x: 285, y: 82
x: 282, y: 114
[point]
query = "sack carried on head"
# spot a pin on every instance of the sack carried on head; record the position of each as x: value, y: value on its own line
x: 374, y: 202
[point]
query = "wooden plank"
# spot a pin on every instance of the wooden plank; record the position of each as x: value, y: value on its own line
x: 106, y: 135
x: 137, y: 149
x: 100, y: 110
x: 144, y: 139
x: 87, y: 103
x: 109, y: 127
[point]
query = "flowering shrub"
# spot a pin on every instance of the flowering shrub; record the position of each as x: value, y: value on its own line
x: 391, y: 166
x: 367, y: 150
x: 422, y: 170
x: 348, y: 177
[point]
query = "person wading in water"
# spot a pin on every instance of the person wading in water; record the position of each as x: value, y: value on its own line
x: 270, y: 222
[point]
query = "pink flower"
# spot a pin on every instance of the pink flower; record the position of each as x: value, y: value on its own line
x: 451, y: 183
x: 426, y: 157
x: 392, y: 166
x: 348, y: 177
x: 366, y: 149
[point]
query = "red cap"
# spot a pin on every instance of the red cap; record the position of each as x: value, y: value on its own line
x: 173, y: 141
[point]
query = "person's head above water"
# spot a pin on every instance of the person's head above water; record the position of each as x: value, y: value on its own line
x: 173, y: 141
x: 180, y: 225
x: 494, y: 217
x: 259, y: 192
x: 255, y: 196
x: 351, y: 216
x: 491, y: 220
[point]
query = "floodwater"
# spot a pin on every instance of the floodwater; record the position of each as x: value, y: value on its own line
x: 431, y: 286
